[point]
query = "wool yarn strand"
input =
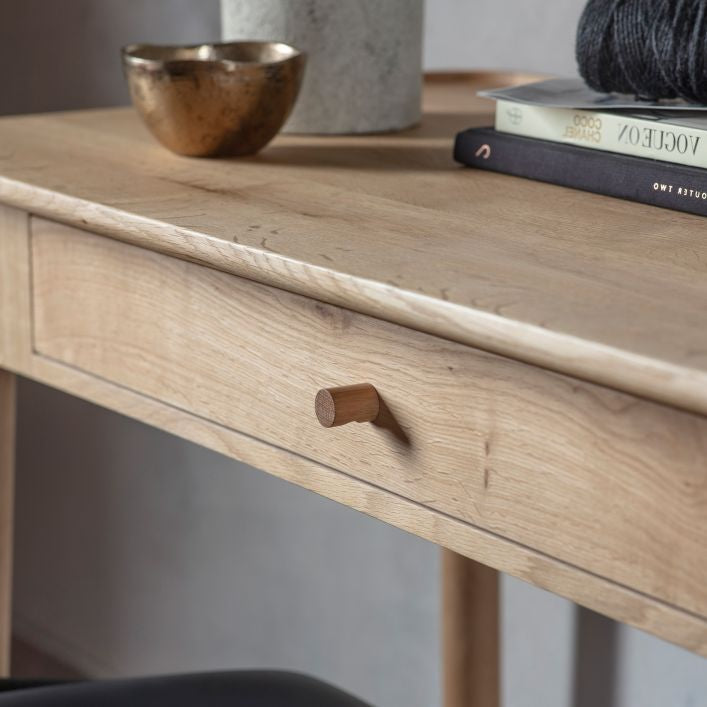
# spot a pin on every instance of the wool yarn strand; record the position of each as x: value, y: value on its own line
x: 654, y: 49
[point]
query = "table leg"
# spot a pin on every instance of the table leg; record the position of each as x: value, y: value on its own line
x: 7, y: 498
x: 470, y: 633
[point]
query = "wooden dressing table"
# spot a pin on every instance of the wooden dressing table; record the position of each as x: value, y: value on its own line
x: 539, y: 354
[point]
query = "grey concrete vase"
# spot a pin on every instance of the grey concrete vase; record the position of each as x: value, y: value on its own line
x: 364, y: 69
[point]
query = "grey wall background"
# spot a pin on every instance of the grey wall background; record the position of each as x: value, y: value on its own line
x: 138, y: 552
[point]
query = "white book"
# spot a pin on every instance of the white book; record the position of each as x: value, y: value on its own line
x: 670, y: 136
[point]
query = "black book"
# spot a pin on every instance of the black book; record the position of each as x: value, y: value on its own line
x: 648, y: 181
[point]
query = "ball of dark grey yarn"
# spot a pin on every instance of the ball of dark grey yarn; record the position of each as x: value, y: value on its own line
x: 654, y: 49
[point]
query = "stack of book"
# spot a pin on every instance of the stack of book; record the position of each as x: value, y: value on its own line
x: 652, y: 155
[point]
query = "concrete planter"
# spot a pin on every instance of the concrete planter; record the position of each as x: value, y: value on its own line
x: 364, y: 58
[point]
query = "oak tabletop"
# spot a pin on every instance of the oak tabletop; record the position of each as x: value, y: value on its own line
x: 598, y: 288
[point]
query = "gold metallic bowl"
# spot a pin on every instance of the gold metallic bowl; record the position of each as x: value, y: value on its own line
x: 214, y: 99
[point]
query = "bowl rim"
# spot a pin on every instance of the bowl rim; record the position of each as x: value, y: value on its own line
x: 131, y: 57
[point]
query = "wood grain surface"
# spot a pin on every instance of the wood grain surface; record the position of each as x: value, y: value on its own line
x: 586, y: 588
x: 608, y: 513
x: 602, y: 289
x: 471, y: 650
x: 15, y: 316
x: 597, y: 478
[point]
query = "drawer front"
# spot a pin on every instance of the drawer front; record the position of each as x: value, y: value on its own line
x: 594, y: 477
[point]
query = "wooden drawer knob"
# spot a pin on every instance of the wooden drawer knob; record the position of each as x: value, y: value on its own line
x: 349, y: 403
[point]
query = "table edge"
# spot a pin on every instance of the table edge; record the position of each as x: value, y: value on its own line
x: 623, y: 370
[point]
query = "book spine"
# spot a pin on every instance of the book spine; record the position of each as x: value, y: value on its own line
x: 625, y: 177
x: 609, y: 131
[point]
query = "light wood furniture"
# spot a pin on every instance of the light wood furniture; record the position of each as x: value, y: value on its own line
x: 470, y: 632
x: 539, y: 355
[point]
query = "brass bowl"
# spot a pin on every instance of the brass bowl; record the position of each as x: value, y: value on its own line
x: 214, y: 99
